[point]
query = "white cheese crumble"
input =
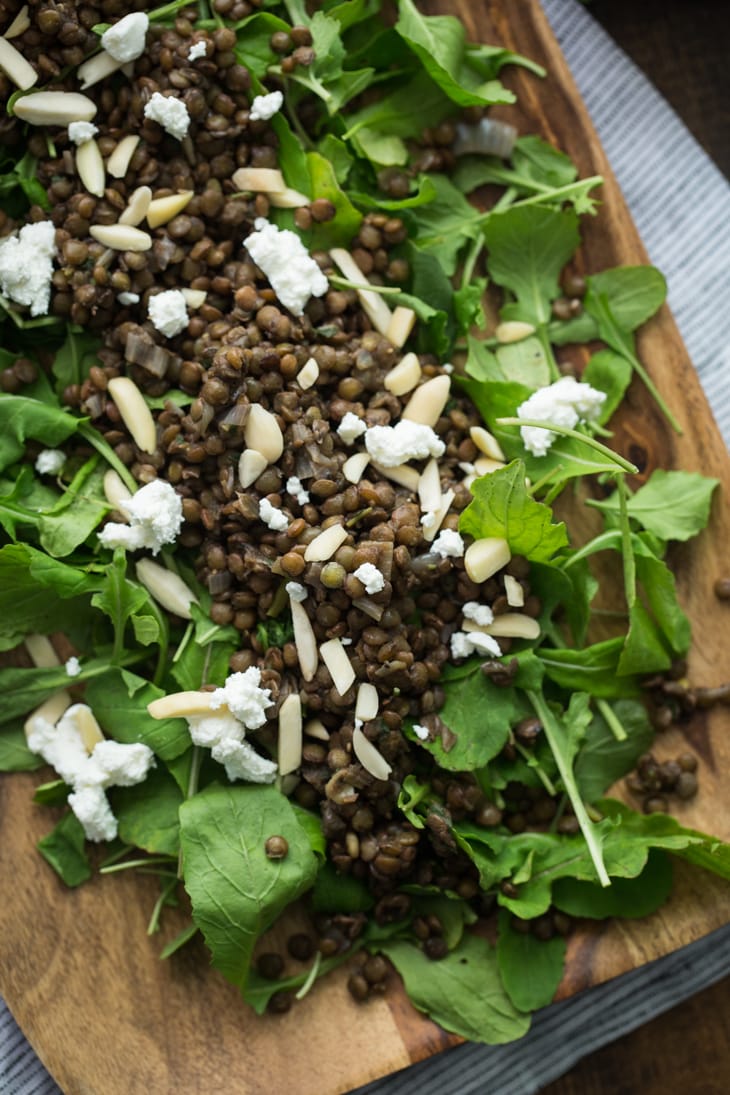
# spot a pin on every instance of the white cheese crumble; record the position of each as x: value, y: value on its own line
x: 50, y: 461
x: 81, y: 132
x: 244, y: 698
x: 292, y: 272
x: 26, y: 266
x: 448, y: 367
x: 429, y: 519
x: 128, y: 298
x: 125, y: 41
x: 224, y: 736
x: 72, y: 667
x: 480, y: 614
x: 296, y: 591
x: 564, y: 403
x: 351, y: 427
x: 448, y: 544
x: 464, y: 643
x: 265, y: 106
x: 295, y: 488
x: 171, y: 113
x: 390, y: 446
x: 168, y: 312
x: 198, y: 49
x: 421, y: 731
x: 274, y: 518
x: 155, y: 519
x: 371, y: 577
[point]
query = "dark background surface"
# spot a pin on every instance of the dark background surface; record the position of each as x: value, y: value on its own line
x: 683, y: 46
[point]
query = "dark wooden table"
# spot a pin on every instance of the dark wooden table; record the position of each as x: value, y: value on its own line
x: 683, y: 46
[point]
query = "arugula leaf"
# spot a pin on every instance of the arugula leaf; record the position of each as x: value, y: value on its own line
x: 411, y: 794
x: 148, y: 813
x: 592, y: 669
x: 63, y: 848
x: 37, y: 593
x: 530, y: 968
x: 259, y: 990
x: 445, y: 224
x: 72, y: 361
x: 119, y: 598
x: 602, y: 759
x: 15, y: 756
x: 660, y: 590
x: 335, y: 892
x: 662, y: 831
x: 673, y: 505
x: 119, y: 700
x: 610, y: 373
x: 237, y: 892
x: 21, y: 418
x: 535, y: 166
x: 401, y: 112
x: 253, y: 42
x: 339, y: 231
x: 626, y: 897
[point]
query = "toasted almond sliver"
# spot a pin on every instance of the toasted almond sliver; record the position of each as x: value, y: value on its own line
x: 324, y: 546
x: 15, y: 66
x: 514, y: 591
x: 511, y: 625
x: 304, y: 640
x: 262, y: 432
x: 194, y: 298
x: 486, y: 443
x: 50, y: 710
x: 97, y: 68
x: 430, y: 532
x: 250, y: 466
x: 308, y: 374
x: 369, y: 757
x: 137, y: 206
x: 401, y: 325
x: 403, y: 474
x: 136, y: 415
x: 116, y: 491
x: 315, y: 728
x: 404, y: 376
x: 121, y: 237
x: 87, y: 726
x: 287, y: 199
x: 367, y: 702
x: 372, y: 303
x: 340, y: 668
x: 354, y: 466
x: 90, y: 168
x: 54, y: 108
x: 118, y: 163
x: 485, y: 557
x: 41, y: 651
x: 290, y: 735
x: 168, y: 589
x: 484, y: 466
x: 428, y: 401
x: 259, y: 179
x: 513, y: 331
x: 182, y: 705
x: 162, y: 210
x: 19, y: 25
x: 429, y: 487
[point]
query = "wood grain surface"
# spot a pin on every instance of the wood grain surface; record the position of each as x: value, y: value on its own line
x: 77, y: 968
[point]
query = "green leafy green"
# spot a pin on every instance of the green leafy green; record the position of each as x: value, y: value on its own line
x: 64, y: 849
x: 119, y: 700
x: 601, y: 758
x: 15, y: 756
x: 148, y: 813
x: 37, y: 593
x: 625, y: 897
x: 530, y: 968
x: 673, y: 505
x: 21, y: 418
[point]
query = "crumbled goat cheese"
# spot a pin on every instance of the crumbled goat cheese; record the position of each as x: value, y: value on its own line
x: 198, y: 49
x: 480, y: 614
x: 296, y: 591
x: 72, y: 667
x: 429, y: 519
x: 295, y: 488
x: 448, y: 544
x: 81, y: 132
x: 351, y: 427
x: 390, y: 446
x: 371, y: 577
x: 91, y: 807
x: 448, y: 367
x: 60, y: 745
x: 293, y: 273
x: 128, y: 298
x: 421, y: 731
x: 346, y: 641
x: 168, y: 312
x: 274, y: 518
x: 464, y: 643
x: 171, y: 113
x: 241, y: 761
x: 155, y: 519
x: 564, y: 403
x: 26, y: 266
x: 113, y: 764
x: 50, y: 461
x: 244, y: 698
x: 265, y: 106
x: 125, y: 40
x: 209, y: 730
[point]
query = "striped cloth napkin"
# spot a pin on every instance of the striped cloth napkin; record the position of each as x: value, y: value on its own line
x: 680, y: 203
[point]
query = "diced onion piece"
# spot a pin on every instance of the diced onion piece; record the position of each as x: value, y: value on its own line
x: 308, y: 374
x: 41, y: 651
x: 367, y: 703
x: 194, y: 298
x: 250, y: 466
x: 135, y: 413
x: 429, y: 487
x: 54, y: 108
x: 514, y: 592
x: 372, y: 760
x: 121, y: 237
x: 116, y: 492
x: 15, y: 66
x: 97, y: 68
x: 315, y: 728
x: 486, y: 443
x: 485, y: 557
x: 290, y: 735
x: 427, y: 402
x: 513, y: 331
x: 263, y: 180
x: 50, y: 710
x: 324, y: 546
x: 19, y: 25
x: 340, y: 668
x: 401, y: 325
x: 510, y: 625
x: 287, y: 199
x: 183, y: 705
x: 261, y: 432
x: 372, y: 303
x: 370, y: 608
x: 168, y: 589
x: 304, y: 640
x: 118, y: 163
x: 484, y: 466
x: 404, y: 376
x: 87, y: 726
x: 354, y: 466
x: 429, y: 533
x: 162, y: 210
x: 402, y: 474
x: 90, y: 167
x: 488, y: 137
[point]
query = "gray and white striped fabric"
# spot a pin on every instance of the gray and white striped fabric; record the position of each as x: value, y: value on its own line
x: 681, y: 205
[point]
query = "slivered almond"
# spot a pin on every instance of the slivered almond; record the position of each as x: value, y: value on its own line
x: 484, y: 466
x: 250, y: 466
x: 116, y: 491
x: 137, y: 206
x: 308, y: 374
x: 135, y: 413
x: 354, y: 466
x: 54, y: 108
x: 41, y: 651
x: 402, y: 474
x: 290, y: 735
x: 15, y: 66
x: 97, y: 68
x: 315, y: 728
x: 162, y: 210
x: 372, y: 303
x: 429, y: 487
x: 183, y: 705
x: 118, y: 163
x: 428, y: 401
x: 514, y: 591
x: 324, y: 546
x: 194, y: 298
x: 340, y: 669
x: 265, y: 180
x: 287, y: 199
x: 19, y: 25
x: 304, y: 640
x: 168, y: 589
x: 401, y: 325
x: 486, y: 443
x: 404, y: 376
x: 513, y: 625
x: 50, y: 710
x: 90, y: 168
x: 513, y: 331
x: 262, y: 432
x: 429, y: 533
x: 485, y: 557
x: 367, y: 702
x: 372, y: 760
x: 121, y: 237
x: 87, y: 726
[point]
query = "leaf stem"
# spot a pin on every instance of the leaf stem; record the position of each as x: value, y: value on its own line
x: 564, y: 431
x: 129, y: 864
x: 311, y: 977
x: 627, y: 551
x: 97, y: 442
x: 614, y: 723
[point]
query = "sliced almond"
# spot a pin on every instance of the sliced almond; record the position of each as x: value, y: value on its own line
x: 402, y: 474
x: 512, y: 625
x: 250, y: 466
x: 259, y: 179
x: 486, y: 443
x: 168, y: 589
x: 87, y: 726
x: 262, y: 432
x: 514, y: 592
x: 367, y: 703
x: 162, y: 210
x: 429, y: 487
x: 324, y: 546
x: 372, y: 760
x: 372, y: 303
x: 304, y: 640
x: 182, y: 705
x: 513, y: 331
x: 41, y: 651
x: 19, y: 25
x: 427, y: 402
x: 15, y: 66
x: 116, y: 491
x: 194, y: 298
x: 90, y: 168
x: 135, y: 413
x: 54, y: 108
x: 308, y: 374
x: 401, y: 325
x: 287, y: 199
x: 485, y: 557
x: 430, y: 532
x: 404, y: 376
x: 316, y: 729
x: 354, y: 466
x: 118, y: 163
x: 50, y: 710
x: 340, y: 669
x: 97, y: 68
x: 484, y: 466
x: 290, y: 735
x: 137, y: 206
x: 121, y: 237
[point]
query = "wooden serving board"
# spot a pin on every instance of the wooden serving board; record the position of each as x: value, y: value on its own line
x: 77, y: 968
